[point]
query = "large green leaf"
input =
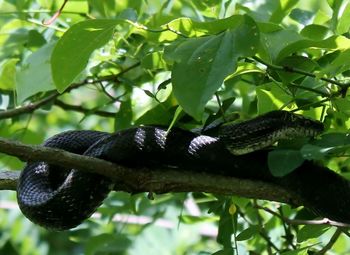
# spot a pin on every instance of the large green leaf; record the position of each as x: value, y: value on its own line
x: 72, y: 51
x: 202, y: 64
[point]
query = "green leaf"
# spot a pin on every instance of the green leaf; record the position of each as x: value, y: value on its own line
x: 202, y: 64
x: 281, y: 43
x: 342, y: 105
x: 191, y: 28
x: 275, y: 41
x: 331, y: 43
x: 302, y: 251
x: 153, y: 61
x: 8, y: 74
x: 331, y: 143
x: 333, y: 140
x: 314, y: 32
x: 303, y: 63
x: 226, y: 251
x: 311, y: 231
x: 176, y: 116
x: 248, y: 233
x: 106, y: 244
x: 271, y: 97
x: 338, y: 65
x: 124, y: 116
x: 301, y: 16
x: 313, y: 152
x: 283, y: 9
x: 282, y: 162
x: 34, y: 75
x: 71, y: 53
x: 190, y: 219
x: 344, y: 21
x: 226, y: 224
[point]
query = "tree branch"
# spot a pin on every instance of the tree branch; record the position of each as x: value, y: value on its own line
x: 27, y: 108
x: 323, y: 221
x: 289, y: 69
x: 81, y: 109
x: 31, y: 107
x: 143, y: 180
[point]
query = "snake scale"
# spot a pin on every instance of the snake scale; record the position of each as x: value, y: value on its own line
x: 62, y: 198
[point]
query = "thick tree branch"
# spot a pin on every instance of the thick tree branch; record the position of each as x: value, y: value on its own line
x: 143, y: 180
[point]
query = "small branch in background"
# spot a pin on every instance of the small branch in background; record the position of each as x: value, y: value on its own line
x: 27, y: 108
x: 299, y: 71
x: 79, y: 108
x: 324, y: 221
x: 263, y: 232
x: 56, y: 15
x: 31, y: 107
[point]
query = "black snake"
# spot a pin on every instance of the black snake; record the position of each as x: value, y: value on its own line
x: 62, y: 198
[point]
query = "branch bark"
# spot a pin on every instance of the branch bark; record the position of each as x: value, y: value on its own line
x: 160, y: 180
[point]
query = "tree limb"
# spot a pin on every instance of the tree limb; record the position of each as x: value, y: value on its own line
x: 160, y: 180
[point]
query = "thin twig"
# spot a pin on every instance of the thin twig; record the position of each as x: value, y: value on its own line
x: 324, y: 221
x: 299, y: 71
x: 79, y: 108
x: 56, y: 15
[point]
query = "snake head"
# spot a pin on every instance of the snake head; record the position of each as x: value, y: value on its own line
x: 303, y: 126
x: 265, y: 130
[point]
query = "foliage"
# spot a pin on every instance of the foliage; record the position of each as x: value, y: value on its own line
x: 112, y: 61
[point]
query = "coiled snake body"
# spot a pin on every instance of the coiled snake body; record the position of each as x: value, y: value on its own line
x: 63, y: 198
